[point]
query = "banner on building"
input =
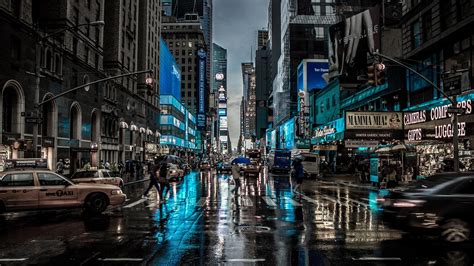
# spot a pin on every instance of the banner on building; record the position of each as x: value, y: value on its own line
x: 201, y: 123
x: 352, y: 43
x: 374, y: 120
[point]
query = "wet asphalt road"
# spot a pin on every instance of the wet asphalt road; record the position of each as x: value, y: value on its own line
x: 204, y: 222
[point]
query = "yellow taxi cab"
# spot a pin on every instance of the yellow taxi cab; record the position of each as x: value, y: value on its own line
x: 39, y: 189
x: 97, y: 176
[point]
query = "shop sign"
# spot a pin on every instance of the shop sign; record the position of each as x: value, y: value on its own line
x: 326, y: 130
x: 361, y: 143
x: 373, y: 120
x: 415, y: 134
x: 374, y: 134
x: 446, y: 131
x: 435, y: 113
x: 329, y: 128
x: 151, y: 148
x: 324, y: 148
x: 47, y: 142
x: 303, y: 143
x: 10, y: 138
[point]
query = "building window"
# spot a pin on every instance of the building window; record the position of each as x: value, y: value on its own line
x: 75, y: 16
x: 57, y: 64
x: 15, y: 48
x: 88, y: 4
x: 319, y: 32
x: 16, y: 7
x: 86, y: 55
x: 427, y: 31
x: 415, y: 34
x: 49, y: 60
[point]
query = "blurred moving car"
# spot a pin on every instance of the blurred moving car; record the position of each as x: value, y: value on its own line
x: 224, y: 167
x: 441, y: 204
x: 205, y: 166
x: 99, y: 176
x: 36, y: 189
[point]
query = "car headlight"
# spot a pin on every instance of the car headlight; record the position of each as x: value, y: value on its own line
x: 117, y: 192
x: 408, y: 203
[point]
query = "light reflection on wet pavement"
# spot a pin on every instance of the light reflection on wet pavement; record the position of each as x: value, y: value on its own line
x: 203, y: 222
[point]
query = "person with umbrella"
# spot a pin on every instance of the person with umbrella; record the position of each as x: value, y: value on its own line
x: 236, y: 171
x: 298, y: 174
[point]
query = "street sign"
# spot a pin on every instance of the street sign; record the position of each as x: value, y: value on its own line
x: 452, y: 85
x: 455, y: 110
x: 33, y: 120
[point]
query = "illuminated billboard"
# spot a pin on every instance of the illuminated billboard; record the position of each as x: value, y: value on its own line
x: 222, y: 112
x: 311, y: 74
x: 170, y: 73
x: 223, y: 123
x: 287, y: 135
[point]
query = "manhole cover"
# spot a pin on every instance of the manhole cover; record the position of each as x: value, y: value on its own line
x: 252, y: 228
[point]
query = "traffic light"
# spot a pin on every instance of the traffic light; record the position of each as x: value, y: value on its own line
x: 149, y: 81
x: 380, y: 74
x: 371, y: 75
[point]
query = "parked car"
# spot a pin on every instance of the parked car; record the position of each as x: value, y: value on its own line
x: 441, y: 205
x: 279, y: 160
x: 224, y: 167
x: 38, y: 189
x: 205, y: 166
x: 99, y: 176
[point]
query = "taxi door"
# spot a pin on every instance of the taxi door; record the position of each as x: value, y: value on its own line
x: 56, y: 191
x: 18, y: 191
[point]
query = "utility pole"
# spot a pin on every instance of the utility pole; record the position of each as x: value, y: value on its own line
x: 453, y: 101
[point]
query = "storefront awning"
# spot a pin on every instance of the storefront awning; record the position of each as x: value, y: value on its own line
x: 123, y: 124
x: 149, y: 132
x: 142, y: 130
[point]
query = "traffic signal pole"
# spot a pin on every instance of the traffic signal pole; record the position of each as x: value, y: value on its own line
x: 453, y: 101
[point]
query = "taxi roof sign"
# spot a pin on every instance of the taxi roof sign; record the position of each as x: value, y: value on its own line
x: 26, y: 163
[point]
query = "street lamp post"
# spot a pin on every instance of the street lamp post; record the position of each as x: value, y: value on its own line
x: 453, y: 101
x: 38, y: 76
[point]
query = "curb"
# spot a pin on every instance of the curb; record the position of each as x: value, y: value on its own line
x: 135, y: 182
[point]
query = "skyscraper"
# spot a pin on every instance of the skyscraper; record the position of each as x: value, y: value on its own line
x: 262, y: 39
x: 219, y: 87
x: 249, y: 100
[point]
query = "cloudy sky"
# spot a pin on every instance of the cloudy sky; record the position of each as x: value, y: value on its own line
x: 235, y: 28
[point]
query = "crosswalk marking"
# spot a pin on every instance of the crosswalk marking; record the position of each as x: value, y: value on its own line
x: 269, y: 201
x: 134, y: 203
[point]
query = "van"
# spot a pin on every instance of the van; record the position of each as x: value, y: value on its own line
x: 311, y: 163
x: 279, y: 161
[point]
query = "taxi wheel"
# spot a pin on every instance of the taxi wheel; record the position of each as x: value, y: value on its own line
x: 96, y: 203
x: 455, y: 231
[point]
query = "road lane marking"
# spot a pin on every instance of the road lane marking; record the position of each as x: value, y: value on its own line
x: 12, y: 259
x: 201, y: 202
x: 376, y: 259
x: 269, y: 201
x: 244, y: 260
x: 294, y: 202
x: 135, y: 203
x: 120, y: 259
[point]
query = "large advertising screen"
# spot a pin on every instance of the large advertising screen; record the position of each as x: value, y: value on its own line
x: 287, y: 135
x: 170, y: 73
x: 352, y: 43
x: 315, y: 72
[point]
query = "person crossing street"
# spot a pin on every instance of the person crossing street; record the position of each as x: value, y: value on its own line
x: 153, y: 180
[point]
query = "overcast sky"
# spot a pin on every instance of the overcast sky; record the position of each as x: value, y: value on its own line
x: 235, y: 28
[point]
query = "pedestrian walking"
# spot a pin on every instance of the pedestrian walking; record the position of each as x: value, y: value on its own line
x: 60, y: 167
x: 153, y: 181
x: 163, y: 179
x: 236, y: 177
x: 298, y: 175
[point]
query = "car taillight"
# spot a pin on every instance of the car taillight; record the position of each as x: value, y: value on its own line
x: 408, y: 203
